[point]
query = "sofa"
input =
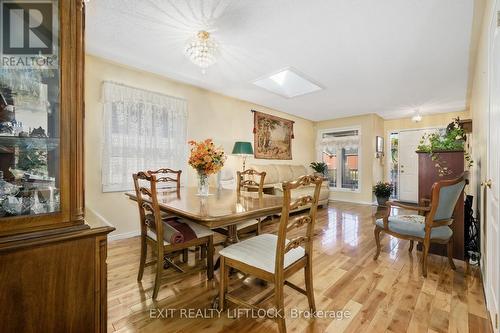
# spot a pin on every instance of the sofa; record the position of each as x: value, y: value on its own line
x: 278, y: 173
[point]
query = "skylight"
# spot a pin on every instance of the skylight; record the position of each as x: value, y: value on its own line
x: 287, y: 83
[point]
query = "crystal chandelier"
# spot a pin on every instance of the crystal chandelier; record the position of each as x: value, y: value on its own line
x: 202, y: 50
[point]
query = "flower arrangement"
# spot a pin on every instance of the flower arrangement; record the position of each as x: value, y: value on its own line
x: 205, y: 157
x: 453, y: 139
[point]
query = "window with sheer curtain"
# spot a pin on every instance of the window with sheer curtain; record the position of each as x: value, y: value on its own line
x: 339, y: 149
x: 143, y: 130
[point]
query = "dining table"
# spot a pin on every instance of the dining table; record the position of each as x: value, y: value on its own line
x: 221, y: 208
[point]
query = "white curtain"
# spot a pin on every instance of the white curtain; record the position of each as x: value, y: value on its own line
x: 143, y: 130
x: 337, y: 143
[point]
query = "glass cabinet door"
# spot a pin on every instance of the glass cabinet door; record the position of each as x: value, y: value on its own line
x: 29, y: 109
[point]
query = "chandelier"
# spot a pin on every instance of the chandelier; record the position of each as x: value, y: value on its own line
x: 201, y: 50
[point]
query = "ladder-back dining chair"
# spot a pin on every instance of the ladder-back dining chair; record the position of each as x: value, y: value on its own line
x: 431, y: 225
x: 157, y: 232
x: 247, y: 180
x: 274, y: 258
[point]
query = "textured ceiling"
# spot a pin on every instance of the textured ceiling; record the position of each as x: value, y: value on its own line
x: 386, y: 56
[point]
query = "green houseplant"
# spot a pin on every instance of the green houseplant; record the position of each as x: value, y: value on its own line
x: 382, y: 191
x: 453, y: 139
x: 320, y: 167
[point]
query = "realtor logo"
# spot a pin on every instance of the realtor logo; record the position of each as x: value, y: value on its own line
x: 27, y: 28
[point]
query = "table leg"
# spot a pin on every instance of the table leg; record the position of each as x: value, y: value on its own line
x: 232, y: 235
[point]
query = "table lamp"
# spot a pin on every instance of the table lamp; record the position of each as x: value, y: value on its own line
x: 242, y: 149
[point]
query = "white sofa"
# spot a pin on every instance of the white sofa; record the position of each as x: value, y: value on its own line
x: 278, y: 173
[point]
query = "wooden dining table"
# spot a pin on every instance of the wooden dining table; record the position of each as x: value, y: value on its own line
x: 221, y: 208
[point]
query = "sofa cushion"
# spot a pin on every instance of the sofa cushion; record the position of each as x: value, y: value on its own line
x: 284, y: 172
x: 298, y: 170
x: 272, y: 176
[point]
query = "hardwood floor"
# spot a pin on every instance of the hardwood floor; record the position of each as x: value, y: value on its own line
x: 387, y: 295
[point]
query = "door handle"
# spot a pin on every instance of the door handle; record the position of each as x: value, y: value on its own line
x: 487, y: 183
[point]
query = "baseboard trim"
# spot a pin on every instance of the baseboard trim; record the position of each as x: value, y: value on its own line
x: 113, y: 235
x: 124, y: 235
x: 354, y: 201
x: 100, y: 217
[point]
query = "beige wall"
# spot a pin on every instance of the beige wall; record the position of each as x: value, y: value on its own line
x: 428, y: 121
x: 372, y: 168
x: 371, y: 125
x: 210, y: 115
x: 434, y: 120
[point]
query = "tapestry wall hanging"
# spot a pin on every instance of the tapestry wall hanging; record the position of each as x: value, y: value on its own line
x: 272, y: 137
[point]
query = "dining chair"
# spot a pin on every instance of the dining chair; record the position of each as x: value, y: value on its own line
x: 431, y: 225
x: 156, y: 231
x: 274, y: 258
x: 248, y: 180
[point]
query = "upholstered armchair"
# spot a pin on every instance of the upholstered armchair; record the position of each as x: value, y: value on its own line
x: 431, y: 224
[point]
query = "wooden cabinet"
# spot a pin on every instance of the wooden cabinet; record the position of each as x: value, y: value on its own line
x: 427, y: 175
x: 52, y: 263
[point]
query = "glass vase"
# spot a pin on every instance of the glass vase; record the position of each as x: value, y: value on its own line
x: 202, y: 184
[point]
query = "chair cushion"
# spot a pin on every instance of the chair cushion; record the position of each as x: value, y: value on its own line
x: 414, y: 225
x: 260, y: 252
x: 198, y: 229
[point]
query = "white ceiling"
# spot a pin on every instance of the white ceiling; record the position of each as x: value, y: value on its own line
x: 385, y: 56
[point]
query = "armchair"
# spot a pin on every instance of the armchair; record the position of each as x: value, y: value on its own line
x: 432, y: 224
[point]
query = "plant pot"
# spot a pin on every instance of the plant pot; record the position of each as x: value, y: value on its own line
x: 382, y: 200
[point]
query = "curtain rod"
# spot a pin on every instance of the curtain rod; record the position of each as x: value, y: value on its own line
x: 293, y: 122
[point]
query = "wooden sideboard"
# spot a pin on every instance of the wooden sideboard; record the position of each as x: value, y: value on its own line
x: 53, y: 271
x: 427, y: 175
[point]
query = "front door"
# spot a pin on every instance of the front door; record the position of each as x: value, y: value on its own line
x: 491, y: 184
x: 408, y: 163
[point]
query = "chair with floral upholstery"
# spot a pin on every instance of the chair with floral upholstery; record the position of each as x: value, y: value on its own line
x: 431, y: 225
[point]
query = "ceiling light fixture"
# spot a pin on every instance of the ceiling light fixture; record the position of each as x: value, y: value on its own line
x: 202, y: 50
x: 417, y: 117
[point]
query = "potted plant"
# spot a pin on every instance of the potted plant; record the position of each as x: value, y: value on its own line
x: 383, y: 191
x: 451, y: 140
x: 320, y: 168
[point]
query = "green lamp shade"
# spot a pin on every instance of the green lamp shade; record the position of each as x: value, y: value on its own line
x: 242, y: 148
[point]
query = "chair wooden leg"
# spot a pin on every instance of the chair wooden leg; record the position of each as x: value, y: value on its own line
x: 411, y: 246
x: 159, y: 271
x: 224, y: 275
x: 280, y: 307
x: 309, y: 285
x: 257, y: 232
x: 424, y: 259
x: 377, y: 241
x: 142, y: 262
x: 185, y: 255
x: 210, y: 258
x: 449, y: 251
x: 203, y: 252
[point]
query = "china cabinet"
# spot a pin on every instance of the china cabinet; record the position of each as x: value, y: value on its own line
x: 52, y: 262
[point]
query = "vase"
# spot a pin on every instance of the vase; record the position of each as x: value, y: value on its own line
x: 382, y: 200
x: 202, y: 184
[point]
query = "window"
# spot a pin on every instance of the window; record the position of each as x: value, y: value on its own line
x: 143, y: 130
x: 394, y: 162
x: 339, y: 150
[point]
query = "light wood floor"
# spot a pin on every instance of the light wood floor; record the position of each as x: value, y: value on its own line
x: 388, y: 295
